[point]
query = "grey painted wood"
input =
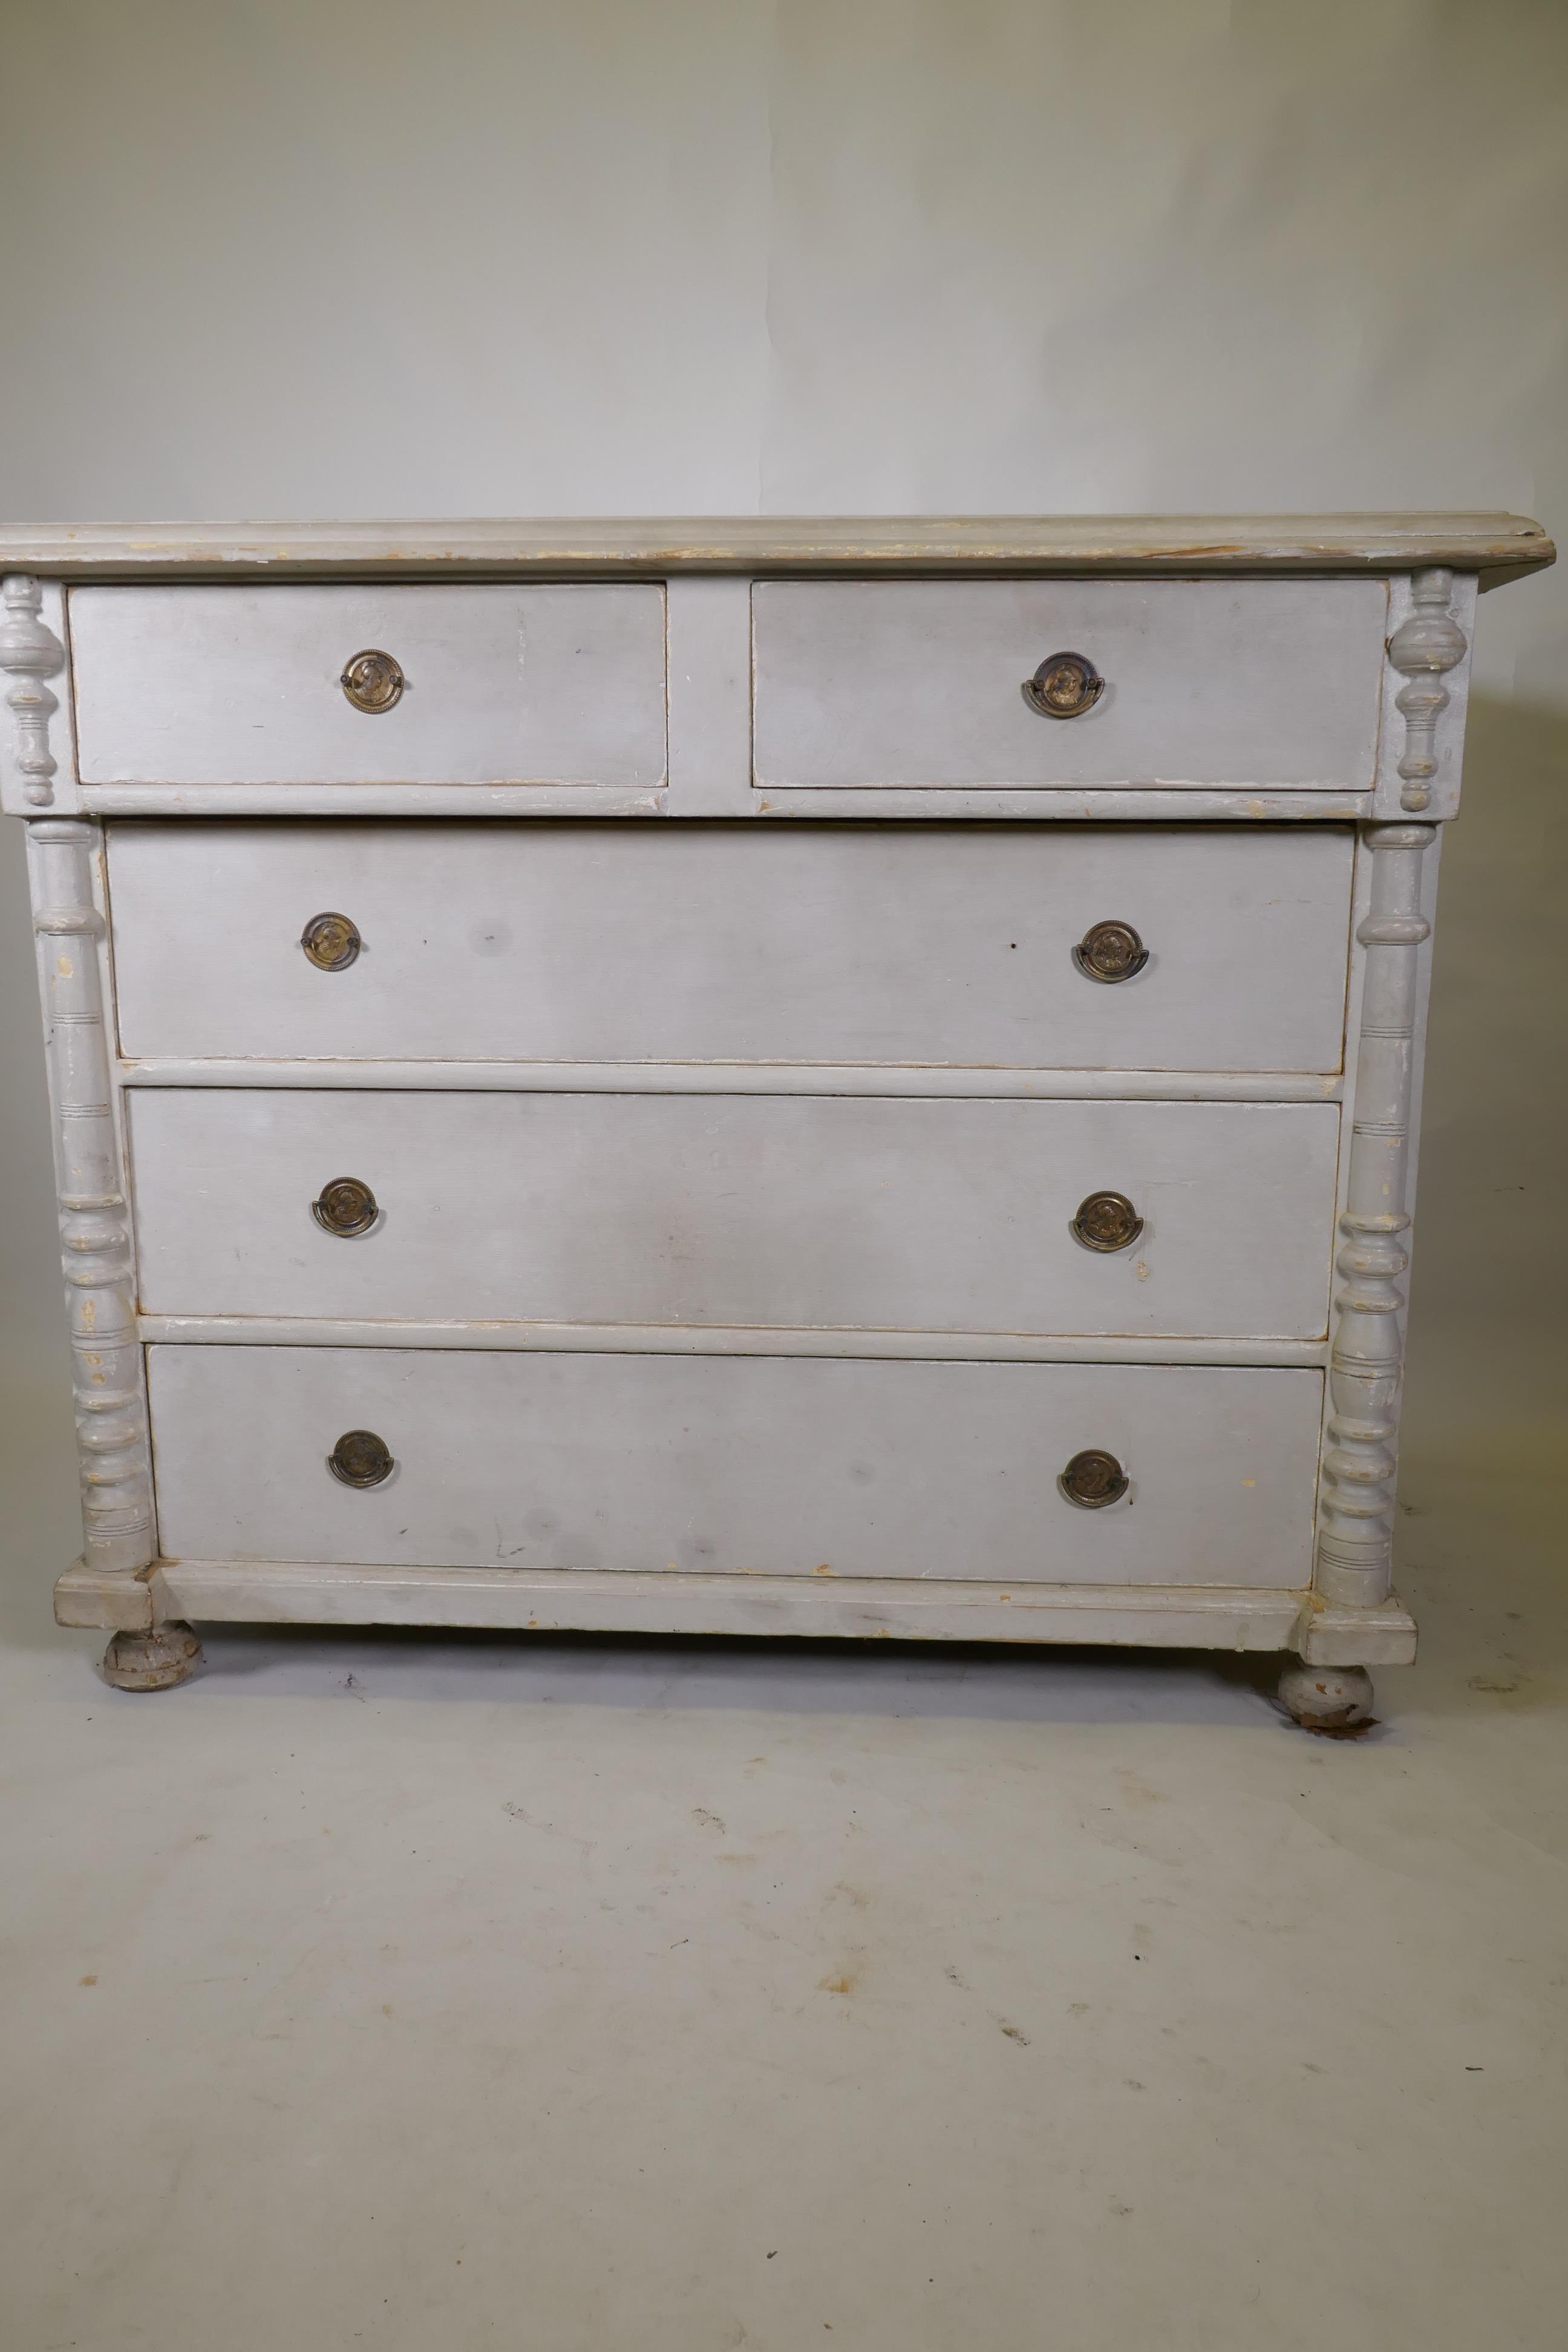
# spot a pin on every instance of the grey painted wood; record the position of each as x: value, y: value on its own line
x: 836, y: 1065
x: 710, y: 630
x: 92, y: 1191
x: 1269, y: 683
x: 1359, y: 1464
x: 910, y: 1609
x: 766, y: 1465
x: 585, y: 942
x: 668, y: 1209
x: 1497, y: 546
x: 1431, y: 729
x: 38, y: 742
x: 326, y: 1593
x: 241, y: 685
x: 947, y: 1080
x: 971, y: 804
x: 875, y: 804
x: 723, y: 1340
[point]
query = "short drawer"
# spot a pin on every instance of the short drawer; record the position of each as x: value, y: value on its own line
x: 1196, y: 1218
x: 489, y: 685
x: 770, y: 1466
x: 897, y: 945
x: 1273, y: 684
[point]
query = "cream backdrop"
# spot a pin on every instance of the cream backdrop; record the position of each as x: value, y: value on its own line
x: 283, y: 257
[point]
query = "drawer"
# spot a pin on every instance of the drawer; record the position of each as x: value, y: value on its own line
x: 884, y: 1214
x: 1269, y: 683
x: 244, y: 685
x: 945, y: 945
x: 771, y: 1466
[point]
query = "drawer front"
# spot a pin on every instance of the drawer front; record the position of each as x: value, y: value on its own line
x: 244, y: 685
x: 1270, y: 683
x: 899, y: 944
x: 772, y: 1465
x: 700, y: 1210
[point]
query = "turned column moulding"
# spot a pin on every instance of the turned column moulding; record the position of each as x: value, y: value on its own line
x: 113, y: 1441
x: 95, y: 1219
x: 1356, y: 1514
x: 1424, y: 646
x: 30, y: 652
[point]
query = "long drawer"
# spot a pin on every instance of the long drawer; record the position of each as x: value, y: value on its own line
x: 475, y: 685
x: 693, y: 1209
x: 772, y: 1465
x: 1268, y: 683
x: 890, y: 944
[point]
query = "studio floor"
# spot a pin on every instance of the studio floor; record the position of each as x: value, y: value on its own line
x: 602, y: 1997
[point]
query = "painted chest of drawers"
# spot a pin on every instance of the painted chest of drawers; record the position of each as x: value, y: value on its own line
x: 842, y: 1078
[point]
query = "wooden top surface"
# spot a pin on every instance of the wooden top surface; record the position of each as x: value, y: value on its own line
x: 1497, y: 546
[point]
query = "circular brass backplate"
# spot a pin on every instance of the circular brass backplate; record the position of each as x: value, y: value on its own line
x: 346, y: 1207
x: 373, y: 681
x: 331, y: 942
x: 1106, y: 1221
x: 1092, y: 1479
x: 1063, y: 686
x: 360, y: 1458
x: 1109, y: 951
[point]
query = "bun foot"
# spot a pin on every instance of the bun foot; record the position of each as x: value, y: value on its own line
x: 157, y: 1660
x: 1335, y: 1699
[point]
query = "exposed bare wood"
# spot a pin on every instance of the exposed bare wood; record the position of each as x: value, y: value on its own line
x: 1497, y: 546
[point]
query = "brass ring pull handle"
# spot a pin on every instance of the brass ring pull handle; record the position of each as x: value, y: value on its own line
x: 1063, y: 686
x: 331, y: 942
x: 1107, y: 1221
x: 1093, y: 1479
x: 346, y: 1207
x: 373, y: 681
x: 1109, y: 951
x: 360, y: 1458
